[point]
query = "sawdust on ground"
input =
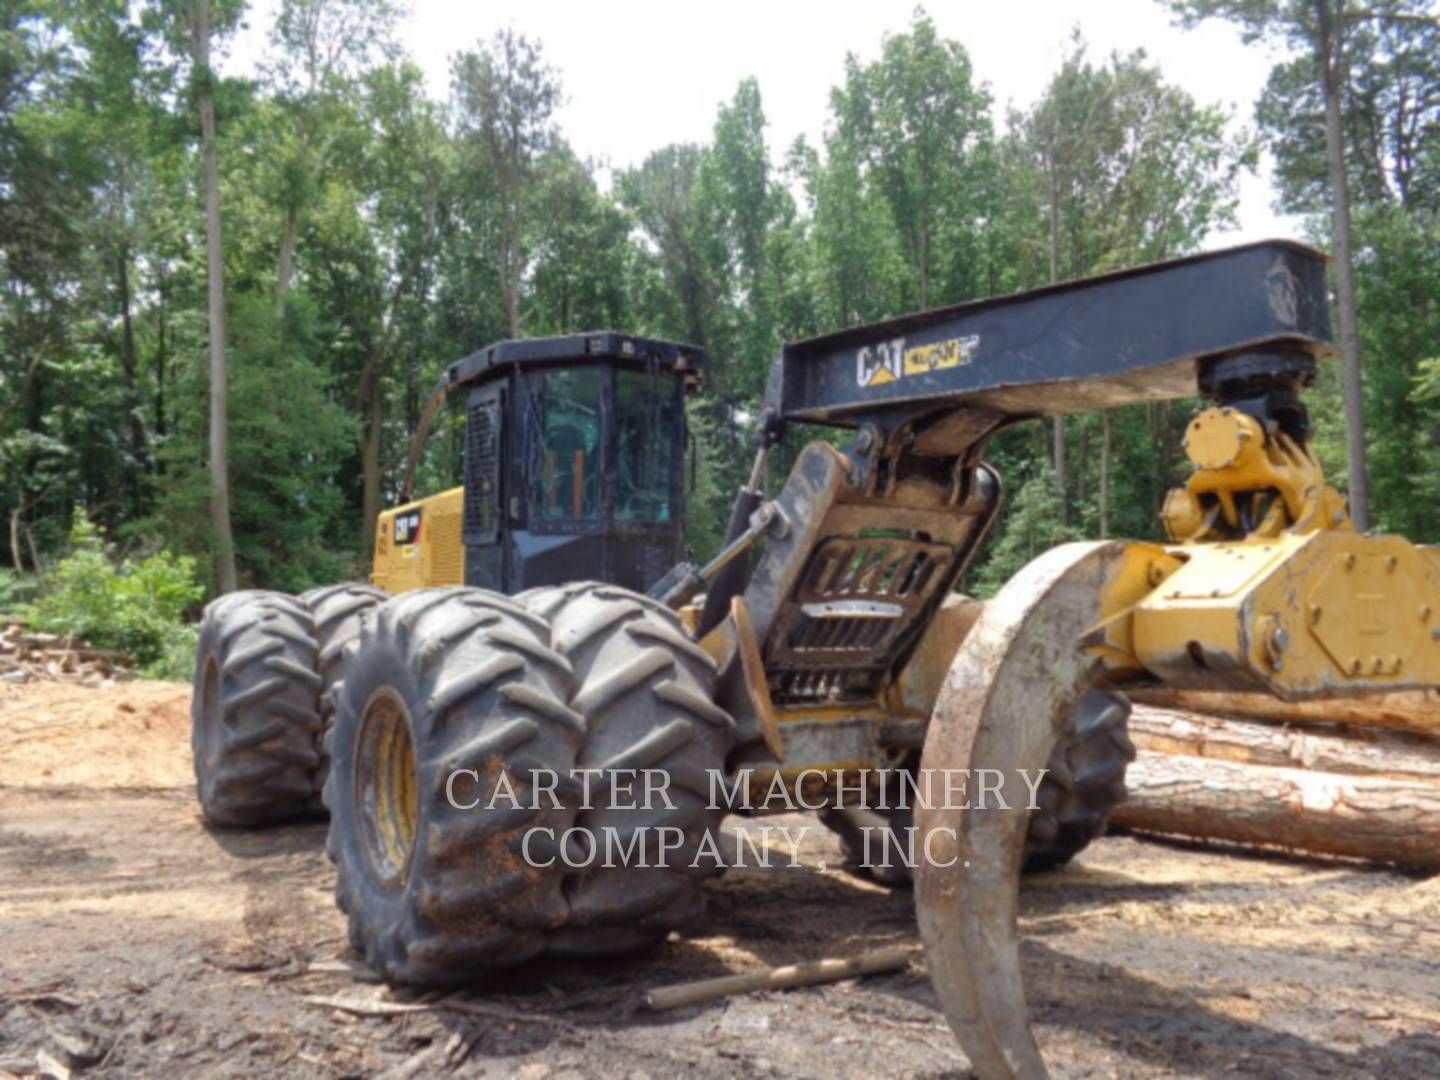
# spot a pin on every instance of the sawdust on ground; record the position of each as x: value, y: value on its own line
x: 129, y: 735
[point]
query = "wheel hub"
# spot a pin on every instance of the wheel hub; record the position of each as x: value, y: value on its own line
x: 386, y: 788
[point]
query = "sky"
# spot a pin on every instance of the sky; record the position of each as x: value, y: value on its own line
x: 639, y: 74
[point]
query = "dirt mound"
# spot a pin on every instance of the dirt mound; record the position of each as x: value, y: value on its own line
x: 129, y: 735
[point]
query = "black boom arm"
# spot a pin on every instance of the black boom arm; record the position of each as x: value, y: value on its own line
x: 1133, y: 336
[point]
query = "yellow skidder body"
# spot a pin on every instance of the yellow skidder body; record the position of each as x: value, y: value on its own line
x: 419, y: 545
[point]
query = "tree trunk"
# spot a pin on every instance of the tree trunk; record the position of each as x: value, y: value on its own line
x: 1410, y: 710
x: 370, y: 447
x: 161, y: 369
x: 198, y: 14
x: 130, y: 363
x: 510, y: 265
x: 1058, y: 424
x: 1368, y: 817
x: 1331, y: 48
x: 35, y: 553
x: 1107, y: 429
x: 285, y: 268
x: 15, y: 555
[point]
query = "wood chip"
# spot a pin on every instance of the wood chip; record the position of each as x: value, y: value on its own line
x: 380, y: 1006
x: 47, y: 1065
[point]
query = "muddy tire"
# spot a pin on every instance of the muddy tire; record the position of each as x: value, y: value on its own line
x: 442, y: 680
x: 255, y: 714
x: 1084, y: 783
x: 338, y: 611
x: 646, y: 691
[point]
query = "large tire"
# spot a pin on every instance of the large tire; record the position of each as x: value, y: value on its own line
x: 1085, y: 780
x: 255, y: 719
x: 1084, y: 783
x: 646, y: 691
x: 438, y: 895
x: 338, y: 611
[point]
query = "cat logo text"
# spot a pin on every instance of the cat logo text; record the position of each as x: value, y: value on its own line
x: 888, y: 362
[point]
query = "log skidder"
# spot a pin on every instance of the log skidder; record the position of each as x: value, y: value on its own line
x: 830, y: 635
x: 460, y: 832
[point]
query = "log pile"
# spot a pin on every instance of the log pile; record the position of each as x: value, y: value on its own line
x: 1357, y: 778
x: 26, y: 656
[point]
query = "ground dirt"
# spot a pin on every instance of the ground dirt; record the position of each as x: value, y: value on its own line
x: 135, y: 941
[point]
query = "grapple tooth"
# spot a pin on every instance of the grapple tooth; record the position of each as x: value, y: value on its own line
x: 1008, y: 691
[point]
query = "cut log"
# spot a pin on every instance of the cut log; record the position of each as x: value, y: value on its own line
x: 1377, y: 818
x: 1415, y: 710
x: 1335, y: 748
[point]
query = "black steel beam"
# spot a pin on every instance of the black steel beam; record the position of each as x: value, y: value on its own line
x: 1122, y: 338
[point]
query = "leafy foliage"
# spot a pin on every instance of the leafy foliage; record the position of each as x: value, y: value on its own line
x: 1033, y: 525
x: 134, y: 606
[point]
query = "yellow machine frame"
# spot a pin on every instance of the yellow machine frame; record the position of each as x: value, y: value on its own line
x: 419, y: 544
x: 1300, y: 606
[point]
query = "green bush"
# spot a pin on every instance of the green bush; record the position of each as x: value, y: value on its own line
x: 15, y: 590
x: 135, y: 607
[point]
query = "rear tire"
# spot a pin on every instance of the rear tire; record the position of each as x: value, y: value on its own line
x: 443, y: 680
x: 255, y: 719
x: 646, y: 690
x: 338, y: 611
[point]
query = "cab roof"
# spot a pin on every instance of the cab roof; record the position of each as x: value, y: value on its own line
x: 597, y: 346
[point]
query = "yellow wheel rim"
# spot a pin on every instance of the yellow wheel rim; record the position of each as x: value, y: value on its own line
x: 387, y: 790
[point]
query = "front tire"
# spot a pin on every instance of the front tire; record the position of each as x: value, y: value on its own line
x: 646, y: 690
x: 443, y: 680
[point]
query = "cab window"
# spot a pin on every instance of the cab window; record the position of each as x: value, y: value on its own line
x: 646, y: 409
x: 566, y: 461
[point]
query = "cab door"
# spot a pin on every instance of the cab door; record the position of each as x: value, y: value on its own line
x: 485, y: 469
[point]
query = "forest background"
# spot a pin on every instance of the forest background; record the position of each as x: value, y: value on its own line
x: 226, y: 300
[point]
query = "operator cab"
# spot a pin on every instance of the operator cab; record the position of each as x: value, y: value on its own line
x: 574, y: 455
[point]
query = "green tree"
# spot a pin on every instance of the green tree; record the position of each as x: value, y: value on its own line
x: 190, y: 26
x: 322, y: 48
x: 1112, y: 167
x: 505, y: 96
x: 917, y: 122
x: 1326, y: 30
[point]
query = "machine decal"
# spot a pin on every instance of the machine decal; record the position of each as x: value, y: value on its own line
x: 956, y: 352
x: 407, y: 527
x: 882, y: 364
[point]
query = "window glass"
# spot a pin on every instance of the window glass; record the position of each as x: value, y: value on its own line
x: 566, y: 463
x: 646, y: 408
